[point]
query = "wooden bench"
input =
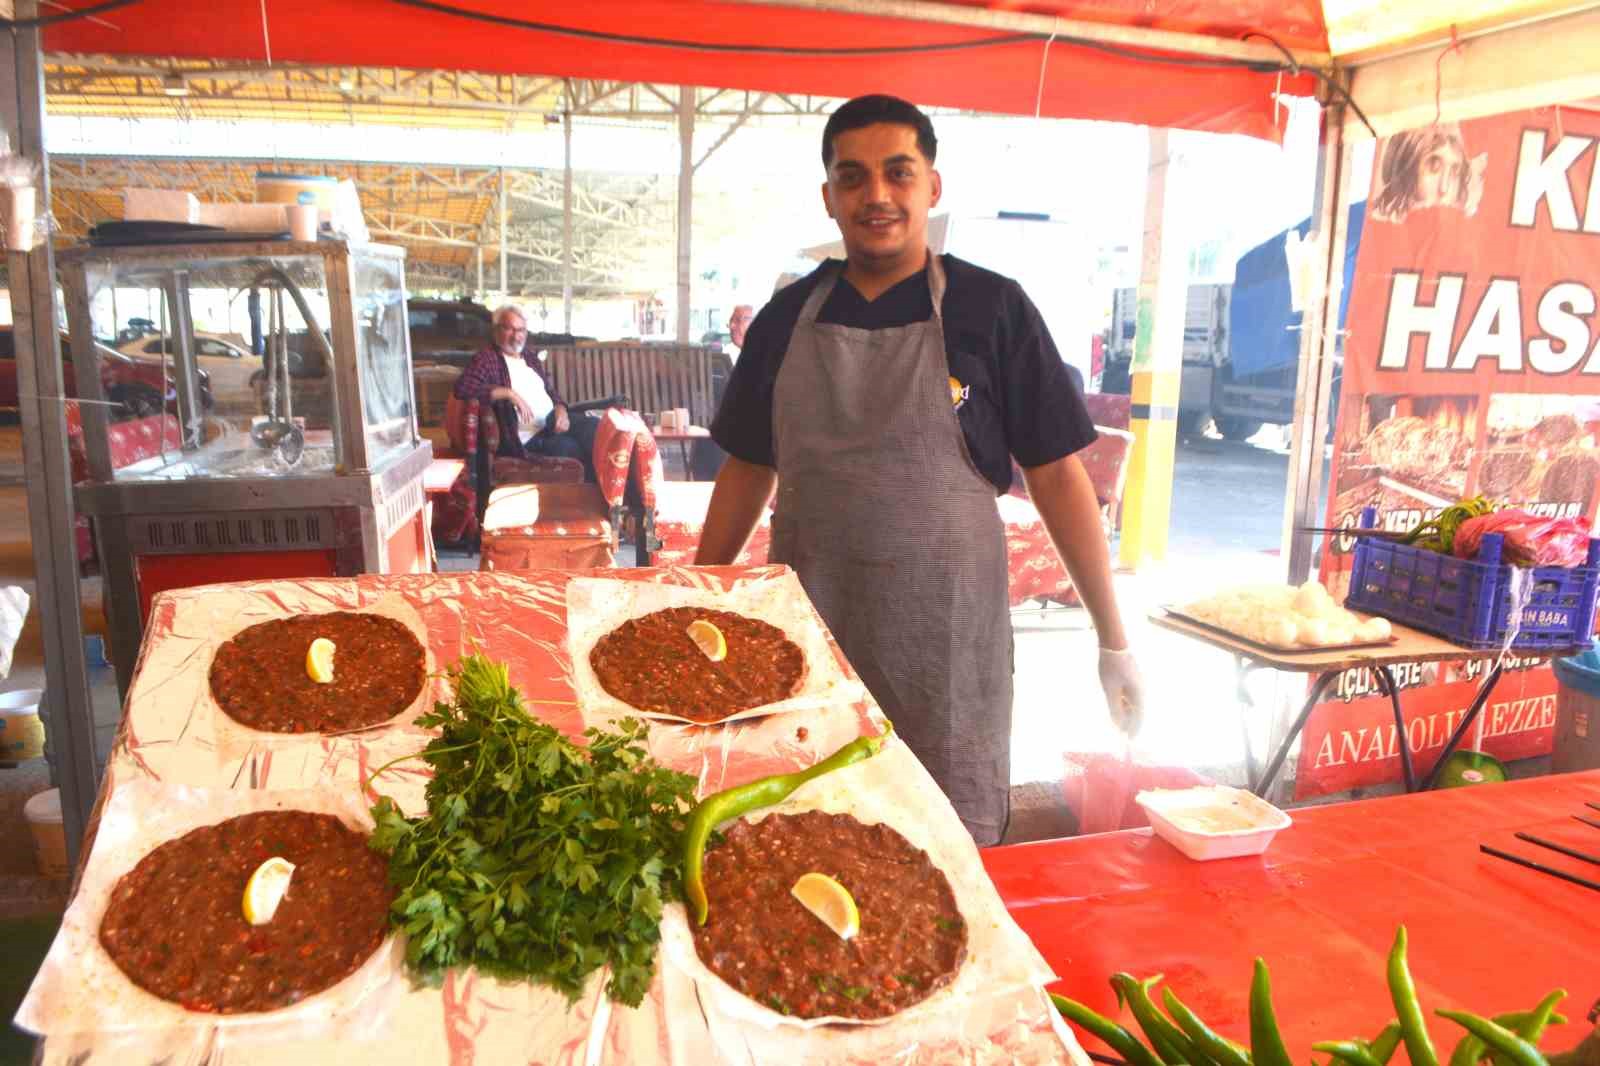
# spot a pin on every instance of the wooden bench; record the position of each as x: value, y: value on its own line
x: 654, y: 377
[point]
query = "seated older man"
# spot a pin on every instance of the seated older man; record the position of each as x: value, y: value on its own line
x: 532, y: 417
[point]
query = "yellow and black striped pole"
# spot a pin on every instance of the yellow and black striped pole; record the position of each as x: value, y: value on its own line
x: 1157, y: 369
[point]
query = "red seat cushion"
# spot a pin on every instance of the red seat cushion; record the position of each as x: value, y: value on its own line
x: 559, y: 526
x: 681, y: 519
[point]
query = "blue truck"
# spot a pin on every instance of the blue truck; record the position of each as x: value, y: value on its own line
x: 1241, y: 341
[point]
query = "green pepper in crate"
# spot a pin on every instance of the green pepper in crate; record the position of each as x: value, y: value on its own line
x: 1439, y: 534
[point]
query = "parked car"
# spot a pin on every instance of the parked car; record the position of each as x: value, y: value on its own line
x: 136, y: 385
x: 451, y: 332
x: 229, y: 364
x: 448, y: 332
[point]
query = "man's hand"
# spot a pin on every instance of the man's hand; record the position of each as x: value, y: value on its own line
x: 1119, y: 676
x: 525, y: 413
x: 559, y: 423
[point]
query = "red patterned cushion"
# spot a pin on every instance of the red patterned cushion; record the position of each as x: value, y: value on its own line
x: 613, y: 452
x: 681, y: 518
x: 550, y: 526
x: 1034, y: 570
x: 1106, y: 463
x: 648, y: 473
x: 1109, y: 409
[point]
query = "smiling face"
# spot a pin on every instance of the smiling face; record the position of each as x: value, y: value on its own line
x: 1439, y: 176
x: 510, y: 333
x: 879, y: 191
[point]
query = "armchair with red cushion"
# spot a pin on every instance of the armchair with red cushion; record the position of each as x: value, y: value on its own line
x: 475, y: 437
x: 563, y: 525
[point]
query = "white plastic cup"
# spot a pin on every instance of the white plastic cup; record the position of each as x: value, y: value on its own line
x: 303, y: 221
x: 21, y: 731
x: 19, y: 210
x: 43, y: 815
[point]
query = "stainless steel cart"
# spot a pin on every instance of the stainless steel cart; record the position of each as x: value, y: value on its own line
x: 303, y: 461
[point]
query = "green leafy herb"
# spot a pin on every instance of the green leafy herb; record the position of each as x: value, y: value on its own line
x: 539, y: 857
x: 854, y: 993
x: 947, y: 925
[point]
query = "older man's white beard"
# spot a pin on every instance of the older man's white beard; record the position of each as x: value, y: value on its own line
x: 513, y: 347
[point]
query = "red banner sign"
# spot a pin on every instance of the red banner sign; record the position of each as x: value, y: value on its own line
x: 1472, y: 366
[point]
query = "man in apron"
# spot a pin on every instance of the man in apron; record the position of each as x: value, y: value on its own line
x: 885, y: 397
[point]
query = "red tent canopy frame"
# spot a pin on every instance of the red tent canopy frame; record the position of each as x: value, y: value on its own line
x: 797, y: 49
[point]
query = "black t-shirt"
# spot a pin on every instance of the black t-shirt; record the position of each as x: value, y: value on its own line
x: 1022, y: 401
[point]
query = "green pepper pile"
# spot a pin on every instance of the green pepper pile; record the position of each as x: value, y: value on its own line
x: 1506, y: 1039
x: 1439, y: 533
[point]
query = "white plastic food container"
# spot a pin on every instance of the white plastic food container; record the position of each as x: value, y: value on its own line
x: 1212, y: 821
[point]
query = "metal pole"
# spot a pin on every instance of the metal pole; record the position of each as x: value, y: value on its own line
x: 480, y: 272
x: 1319, y: 338
x: 505, y: 287
x: 1157, y: 367
x: 69, y: 709
x: 685, y: 203
x: 566, y: 225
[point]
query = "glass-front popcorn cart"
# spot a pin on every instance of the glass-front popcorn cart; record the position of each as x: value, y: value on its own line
x: 286, y: 444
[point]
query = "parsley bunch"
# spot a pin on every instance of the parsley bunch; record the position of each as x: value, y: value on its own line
x: 539, y: 857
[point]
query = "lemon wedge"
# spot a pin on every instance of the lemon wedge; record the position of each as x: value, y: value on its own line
x: 709, y: 639
x: 830, y: 902
x: 319, y: 660
x: 266, y: 889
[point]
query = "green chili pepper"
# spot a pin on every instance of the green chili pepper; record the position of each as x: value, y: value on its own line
x: 734, y: 802
x: 1266, y: 1043
x: 1497, y: 1038
x: 1222, y: 1051
x: 1384, y: 1044
x: 1167, y: 1039
x: 1413, y: 1027
x: 1351, y: 1051
x: 1529, y: 1025
x: 1116, y: 1037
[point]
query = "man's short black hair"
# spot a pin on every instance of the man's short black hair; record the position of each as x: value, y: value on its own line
x: 871, y: 110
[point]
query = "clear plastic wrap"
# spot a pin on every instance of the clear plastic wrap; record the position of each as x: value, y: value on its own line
x: 79, y: 989
x: 522, y: 620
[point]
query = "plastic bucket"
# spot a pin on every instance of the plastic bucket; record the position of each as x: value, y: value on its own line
x: 43, y: 814
x: 1577, y: 739
x: 21, y: 731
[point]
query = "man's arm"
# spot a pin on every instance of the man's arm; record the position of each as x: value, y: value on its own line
x: 1065, y: 499
x: 741, y: 492
x: 559, y: 422
x: 480, y: 379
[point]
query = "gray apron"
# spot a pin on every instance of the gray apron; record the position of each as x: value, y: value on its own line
x: 897, y: 539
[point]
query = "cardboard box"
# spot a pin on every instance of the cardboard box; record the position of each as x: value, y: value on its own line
x: 159, y: 205
x: 248, y: 218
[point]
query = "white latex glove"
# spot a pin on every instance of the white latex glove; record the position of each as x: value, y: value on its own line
x: 1119, y: 677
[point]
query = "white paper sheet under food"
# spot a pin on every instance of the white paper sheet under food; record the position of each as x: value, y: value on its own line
x: 174, y: 717
x: 993, y: 1011
x: 596, y: 606
x: 79, y: 989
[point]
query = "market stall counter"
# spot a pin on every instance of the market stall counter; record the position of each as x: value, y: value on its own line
x: 1321, y: 907
x: 224, y: 786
